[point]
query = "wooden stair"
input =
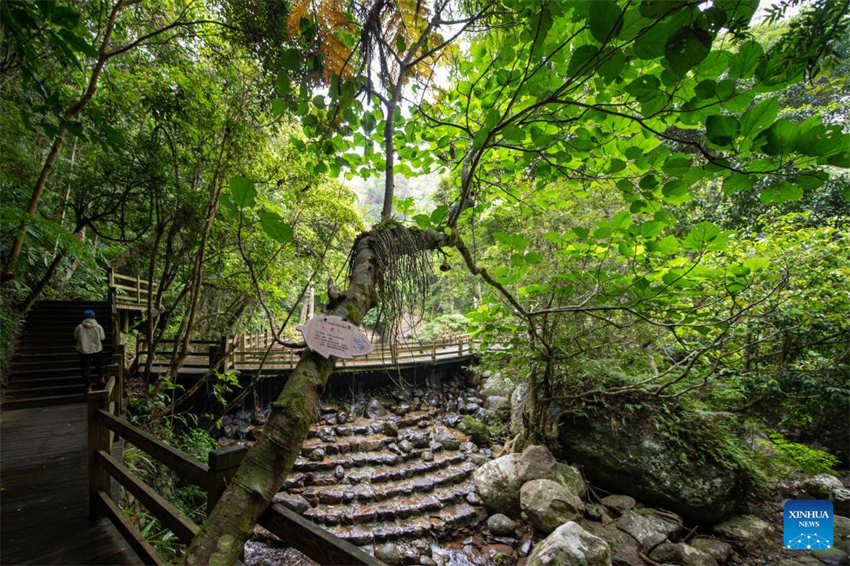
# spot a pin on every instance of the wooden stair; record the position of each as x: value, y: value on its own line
x: 45, y: 367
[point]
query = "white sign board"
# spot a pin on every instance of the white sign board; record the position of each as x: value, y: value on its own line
x: 331, y: 335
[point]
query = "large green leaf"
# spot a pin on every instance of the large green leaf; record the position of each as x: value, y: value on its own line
x: 701, y: 236
x: 781, y: 193
x: 781, y: 137
x: 243, y: 191
x: 721, y: 129
x: 759, y: 117
x: 686, y: 48
x: 605, y: 20
x: 275, y: 226
x: 580, y: 58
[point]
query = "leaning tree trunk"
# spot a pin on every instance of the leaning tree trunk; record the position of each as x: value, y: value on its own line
x: 270, y: 460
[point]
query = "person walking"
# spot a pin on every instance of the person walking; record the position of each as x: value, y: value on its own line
x: 89, y: 335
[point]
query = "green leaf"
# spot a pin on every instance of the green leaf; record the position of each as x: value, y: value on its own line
x: 759, y: 117
x: 781, y: 193
x: 611, y: 69
x: 705, y: 89
x: 744, y: 62
x: 644, y: 87
x: 533, y: 258
x: 781, y: 137
x: 422, y: 220
x: 605, y: 20
x: 686, y: 48
x: 243, y: 191
x: 721, y: 130
x: 275, y: 226
x: 513, y: 133
x: 439, y: 214
x: 651, y: 228
x: 676, y: 192
x: 77, y: 43
x: 700, y: 236
x: 278, y: 106
x: 737, y: 182
x: 667, y: 245
x: 676, y: 165
x: 580, y: 57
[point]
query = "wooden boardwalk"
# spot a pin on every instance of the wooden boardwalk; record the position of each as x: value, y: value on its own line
x: 44, y: 512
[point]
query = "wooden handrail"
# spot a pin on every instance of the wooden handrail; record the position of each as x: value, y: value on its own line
x: 184, y: 465
x: 317, y: 543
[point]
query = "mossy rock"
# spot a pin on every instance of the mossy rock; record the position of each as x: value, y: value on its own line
x: 477, y: 431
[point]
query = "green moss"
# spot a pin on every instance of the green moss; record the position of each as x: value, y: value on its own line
x: 476, y: 430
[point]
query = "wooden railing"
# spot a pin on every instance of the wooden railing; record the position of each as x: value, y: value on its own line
x: 105, y: 424
x: 248, y: 350
x: 130, y: 292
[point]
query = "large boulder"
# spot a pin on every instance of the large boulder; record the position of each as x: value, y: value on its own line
x: 570, y: 545
x: 842, y: 532
x: 497, y: 385
x: 648, y: 528
x: 681, y: 553
x: 624, y: 550
x: 748, y: 533
x: 536, y: 462
x: 497, y: 485
x: 549, y: 504
x: 655, y: 467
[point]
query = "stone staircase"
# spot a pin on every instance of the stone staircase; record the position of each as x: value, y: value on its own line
x: 401, y: 478
x: 45, y: 367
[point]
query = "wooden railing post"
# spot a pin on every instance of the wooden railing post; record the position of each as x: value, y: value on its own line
x: 223, y: 464
x: 98, y: 439
x: 244, y: 340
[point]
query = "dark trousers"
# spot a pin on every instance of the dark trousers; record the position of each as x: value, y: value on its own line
x: 89, y: 360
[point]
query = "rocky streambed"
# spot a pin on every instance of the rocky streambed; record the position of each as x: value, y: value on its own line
x: 409, y: 475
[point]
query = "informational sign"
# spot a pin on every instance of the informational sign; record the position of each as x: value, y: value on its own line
x: 331, y: 335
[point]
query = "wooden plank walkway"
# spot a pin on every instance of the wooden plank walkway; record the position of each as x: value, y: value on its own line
x: 44, y: 492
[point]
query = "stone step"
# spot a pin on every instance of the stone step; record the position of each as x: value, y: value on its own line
x: 385, y: 466
x: 364, y: 427
x: 387, y: 510
x: 363, y: 493
x: 438, y: 524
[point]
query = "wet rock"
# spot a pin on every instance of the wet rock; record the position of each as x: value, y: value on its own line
x: 841, y: 500
x: 721, y: 551
x: 496, y: 402
x: 570, y: 545
x: 803, y: 560
x: 535, y: 462
x: 496, y: 385
x: 501, y: 525
x: 821, y: 485
x: 746, y: 532
x: 478, y: 459
x: 549, y: 504
x: 342, y: 417
x: 423, y: 424
x: 425, y: 560
x: 374, y: 409
x: 624, y: 550
x: 832, y: 557
x: 393, y: 447
x: 403, y: 408
x: 569, y: 477
x: 317, y: 455
x: 497, y: 484
x: 427, y: 456
x: 405, y: 446
x: 468, y: 447
x: 388, y: 553
x: 473, y: 499
x: 260, y: 554
x: 339, y: 472
x: 476, y: 430
x: 389, y: 428
x: 417, y: 439
x: 291, y: 501
x: 326, y: 434
x: 842, y: 532
x: 519, y: 407
x: 446, y: 439
x: 654, y: 465
x: 452, y: 419
x: 525, y: 547
x: 618, y: 503
x: 597, y: 512
x: 681, y: 553
x: 645, y: 527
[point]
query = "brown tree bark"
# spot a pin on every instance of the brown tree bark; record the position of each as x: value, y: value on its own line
x: 270, y: 460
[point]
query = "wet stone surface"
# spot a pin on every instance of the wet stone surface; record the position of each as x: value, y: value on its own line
x: 393, y: 475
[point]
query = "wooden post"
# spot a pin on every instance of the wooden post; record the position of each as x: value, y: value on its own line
x: 223, y: 464
x: 460, y: 348
x: 98, y: 439
x: 433, y: 352
x: 138, y: 290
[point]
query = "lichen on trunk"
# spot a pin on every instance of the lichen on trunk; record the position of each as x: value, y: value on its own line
x: 270, y: 460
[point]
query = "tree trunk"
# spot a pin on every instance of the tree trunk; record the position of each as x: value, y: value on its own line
x: 268, y: 462
x: 47, y: 168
